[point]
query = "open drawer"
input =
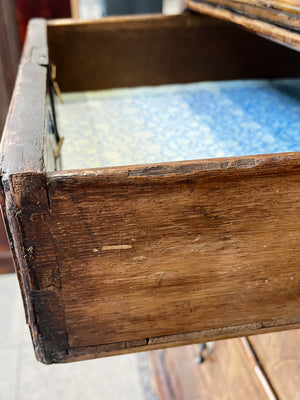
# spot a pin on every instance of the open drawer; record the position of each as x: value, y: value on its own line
x: 129, y: 258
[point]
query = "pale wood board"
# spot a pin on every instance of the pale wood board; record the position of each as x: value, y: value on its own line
x: 230, y: 373
x: 279, y: 355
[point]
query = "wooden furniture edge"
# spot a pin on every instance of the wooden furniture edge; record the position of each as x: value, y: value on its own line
x: 24, y: 183
x: 275, y: 33
x: 280, y: 18
x: 22, y: 141
x: 235, y: 165
x: 42, y: 277
x: 23, y: 165
x: 251, y: 163
x: 279, y: 5
x: 206, y: 48
x: 163, y: 342
x: 129, y: 21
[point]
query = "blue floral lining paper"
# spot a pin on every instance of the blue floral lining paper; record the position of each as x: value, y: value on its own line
x: 179, y: 122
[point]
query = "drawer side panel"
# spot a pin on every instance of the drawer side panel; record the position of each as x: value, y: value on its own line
x: 163, y: 251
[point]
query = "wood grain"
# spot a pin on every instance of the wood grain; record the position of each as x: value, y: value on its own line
x: 230, y: 373
x: 289, y: 6
x: 254, y: 10
x: 279, y: 355
x: 221, y: 237
x: 127, y: 259
x: 267, y: 29
x: 154, y: 50
x: 24, y: 200
x: 174, y: 375
x: 26, y: 116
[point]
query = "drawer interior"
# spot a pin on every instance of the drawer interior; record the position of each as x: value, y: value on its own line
x: 160, y: 89
x: 179, y: 122
x: 132, y: 258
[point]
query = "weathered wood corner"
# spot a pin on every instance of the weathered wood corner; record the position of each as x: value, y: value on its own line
x: 132, y: 258
x: 24, y: 198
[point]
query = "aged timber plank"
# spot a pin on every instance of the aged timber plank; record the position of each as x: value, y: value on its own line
x: 176, y: 248
x: 22, y: 141
x: 263, y: 28
x: 288, y: 6
x: 278, y: 353
x: 24, y: 200
x: 257, y: 11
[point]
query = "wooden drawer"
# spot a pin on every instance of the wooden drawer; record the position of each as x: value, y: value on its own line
x: 130, y: 258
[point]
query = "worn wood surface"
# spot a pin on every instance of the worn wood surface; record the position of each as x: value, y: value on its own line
x: 25, y: 121
x: 221, y: 239
x: 23, y: 159
x: 289, y: 6
x: 279, y: 356
x: 122, y: 52
x: 256, y: 11
x: 263, y: 21
x: 9, y: 58
x: 134, y: 258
